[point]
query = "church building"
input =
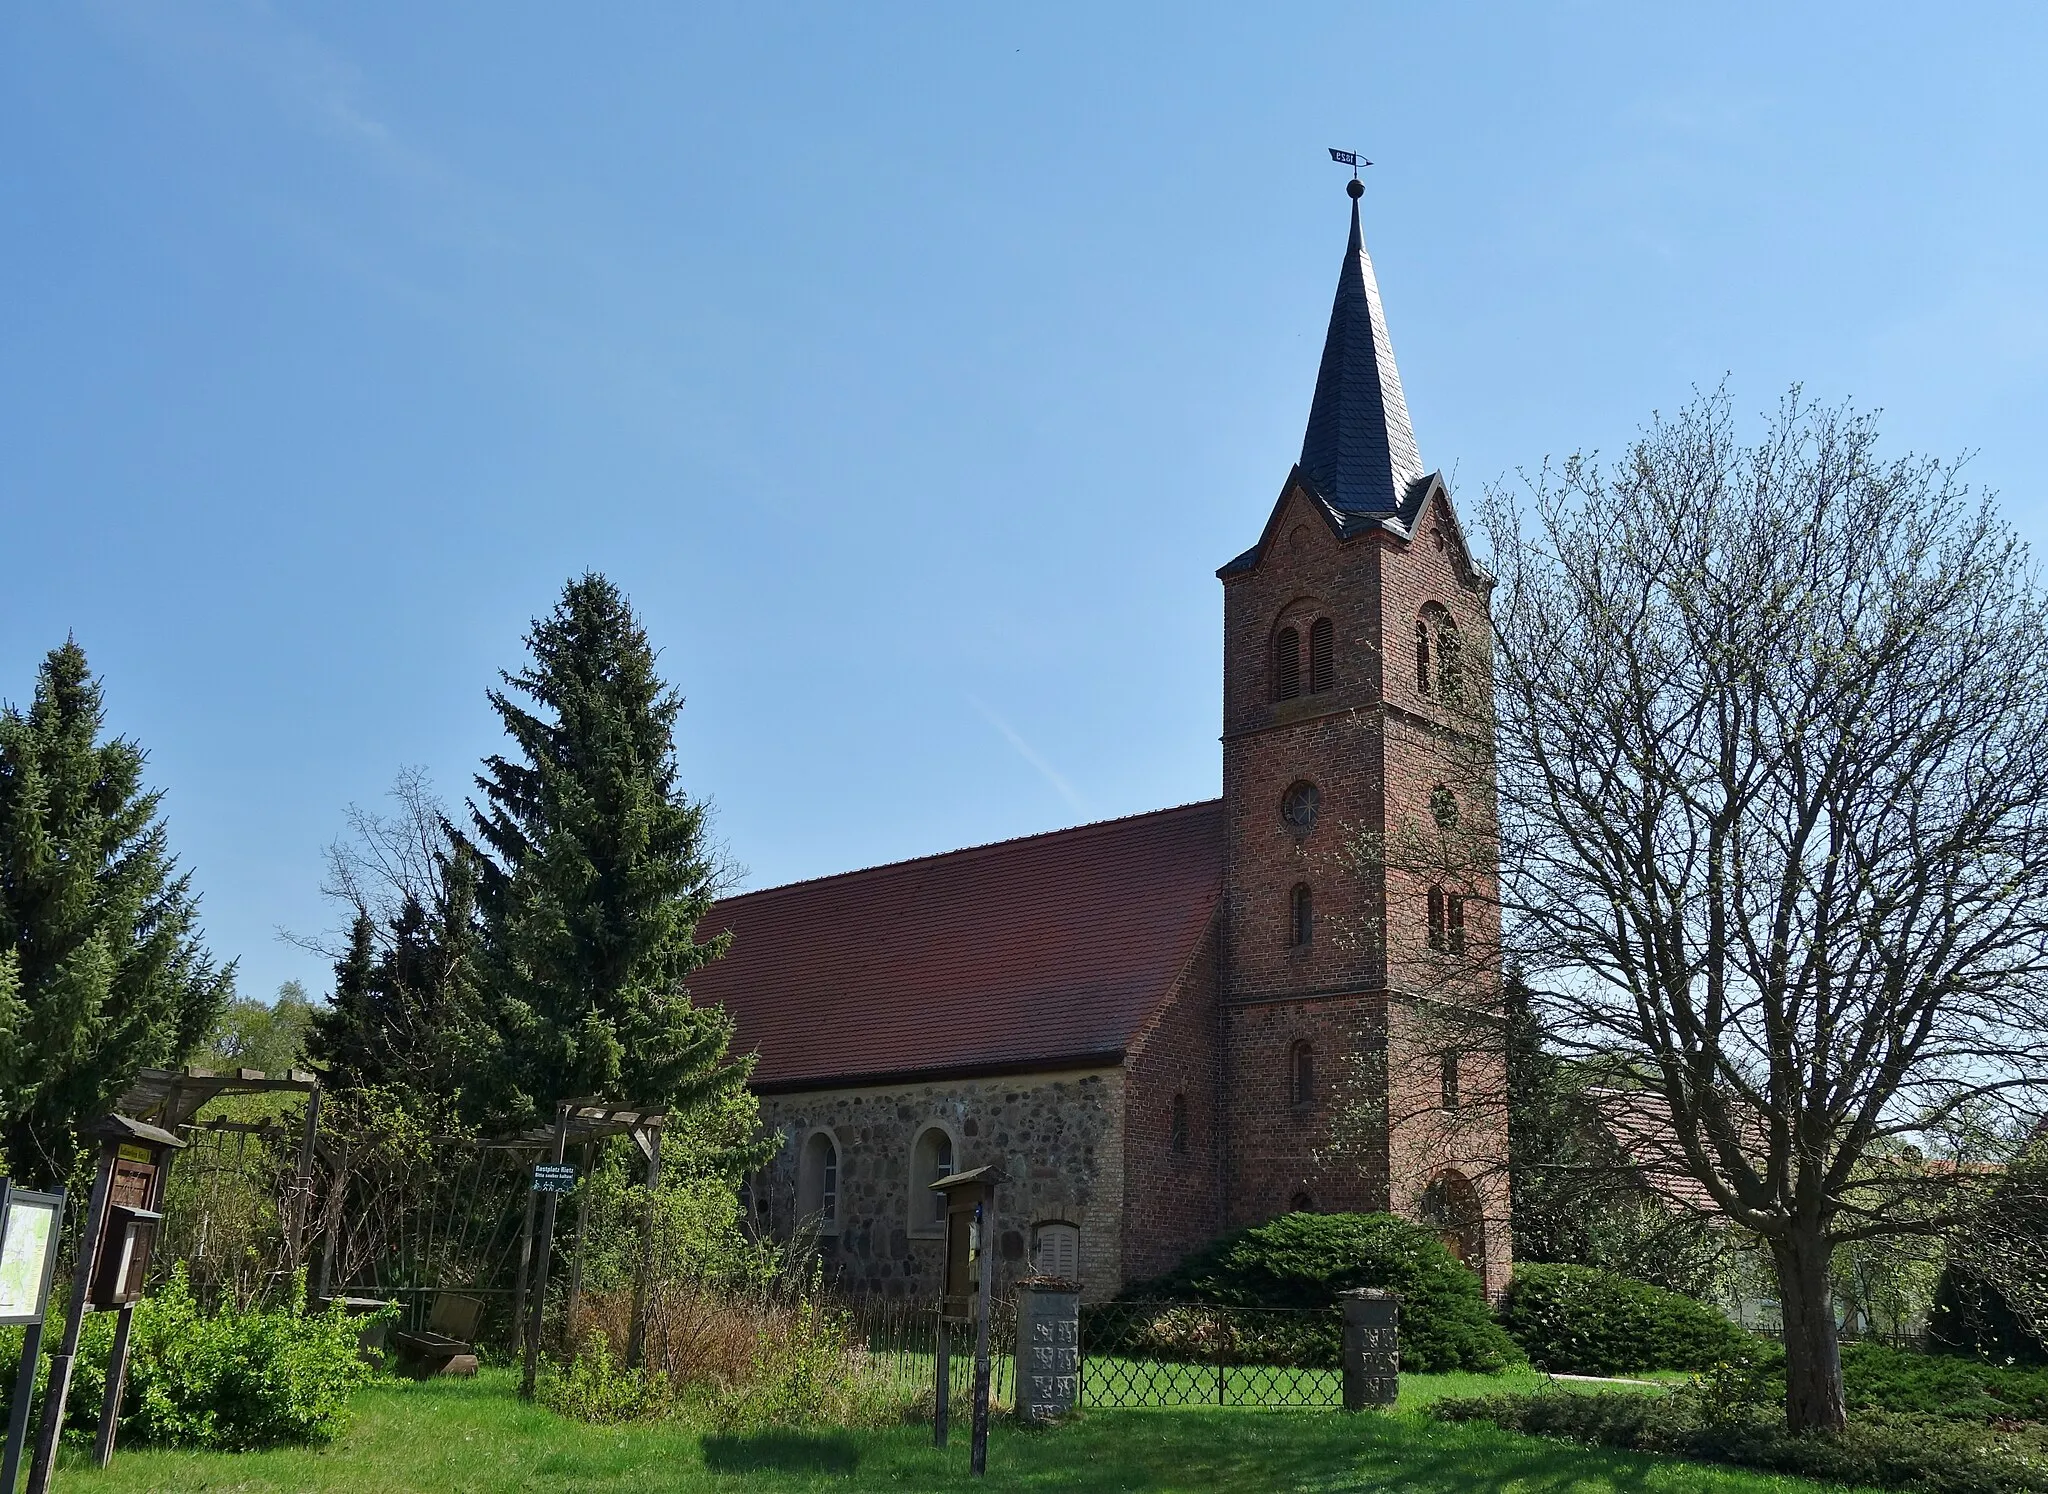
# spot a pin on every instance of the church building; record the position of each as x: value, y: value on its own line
x: 1167, y: 1026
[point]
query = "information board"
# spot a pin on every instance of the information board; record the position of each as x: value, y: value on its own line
x: 30, y: 1226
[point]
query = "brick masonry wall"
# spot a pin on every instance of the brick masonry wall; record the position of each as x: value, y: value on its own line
x: 1333, y: 1149
x: 1173, y: 1202
x: 1058, y: 1136
x: 1375, y: 1135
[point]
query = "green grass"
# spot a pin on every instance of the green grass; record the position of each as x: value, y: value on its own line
x: 468, y: 1437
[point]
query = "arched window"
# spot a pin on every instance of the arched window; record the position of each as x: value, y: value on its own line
x: 1056, y: 1249
x: 1301, y: 917
x: 1454, y: 922
x: 1301, y: 1073
x: 1437, y: 642
x: 1301, y: 1203
x: 1287, y: 664
x: 1450, y: 661
x: 1450, y: 1080
x: 817, y: 1184
x: 1437, y: 927
x: 930, y: 1159
x: 1322, y: 655
x: 1177, y: 1126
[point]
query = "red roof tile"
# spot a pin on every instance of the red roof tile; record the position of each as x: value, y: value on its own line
x: 1047, y: 951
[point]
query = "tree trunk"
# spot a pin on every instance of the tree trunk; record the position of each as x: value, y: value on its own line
x: 1813, y: 1354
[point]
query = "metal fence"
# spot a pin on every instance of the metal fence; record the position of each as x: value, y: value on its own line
x: 1189, y: 1354
x: 1157, y: 1354
x: 902, y: 1338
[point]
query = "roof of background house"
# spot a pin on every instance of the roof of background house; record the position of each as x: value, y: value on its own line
x: 1045, y: 952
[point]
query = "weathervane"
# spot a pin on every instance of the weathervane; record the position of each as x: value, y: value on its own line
x: 1354, y: 160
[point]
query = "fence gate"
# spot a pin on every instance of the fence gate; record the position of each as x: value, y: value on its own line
x: 1189, y: 1354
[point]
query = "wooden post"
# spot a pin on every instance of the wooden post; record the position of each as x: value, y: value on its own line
x: 985, y: 1217
x: 576, y: 1258
x: 942, y: 1405
x: 65, y: 1359
x: 17, y: 1416
x: 336, y: 1200
x: 302, y: 1205
x: 117, y: 1379
x: 538, y: 1306
x: 525, y: 1265
x: 649, y: 1140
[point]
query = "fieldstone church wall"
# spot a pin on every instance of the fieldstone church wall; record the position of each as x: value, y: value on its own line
x: 1057, y: 1136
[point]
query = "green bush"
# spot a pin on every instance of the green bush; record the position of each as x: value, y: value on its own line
x: 593, y: 1389
x: 1579, y: 1321
x: 1879, y: 1379
x: 1304, y: 1260
x: 225, y: 1381
x: 1877, y: 1450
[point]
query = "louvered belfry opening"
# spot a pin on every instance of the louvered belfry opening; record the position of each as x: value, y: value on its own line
x: 1287, y: 665
x: 1322, y: 655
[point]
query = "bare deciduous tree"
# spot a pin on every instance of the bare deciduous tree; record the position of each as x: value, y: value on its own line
x: 1773, y: 765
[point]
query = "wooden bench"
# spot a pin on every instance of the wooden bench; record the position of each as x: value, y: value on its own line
x: 446, y: 1346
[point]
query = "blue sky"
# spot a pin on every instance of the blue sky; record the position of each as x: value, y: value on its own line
x: 912, y: 368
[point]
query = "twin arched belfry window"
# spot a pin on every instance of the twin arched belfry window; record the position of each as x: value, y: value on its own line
x: 1288, y: 675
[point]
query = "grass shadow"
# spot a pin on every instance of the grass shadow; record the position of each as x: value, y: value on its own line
x: 781, y: 1450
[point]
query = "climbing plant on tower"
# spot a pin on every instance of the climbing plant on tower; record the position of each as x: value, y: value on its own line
x: 595, y: 870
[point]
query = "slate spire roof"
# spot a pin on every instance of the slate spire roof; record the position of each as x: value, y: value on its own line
x: 1359, y: 451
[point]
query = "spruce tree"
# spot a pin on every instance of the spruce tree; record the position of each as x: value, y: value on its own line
x: 595, y: 873
x: 406, y: 1016
x: 99, y: 930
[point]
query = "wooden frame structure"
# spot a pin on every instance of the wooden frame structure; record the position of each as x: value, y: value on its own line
x: 584, y: 1123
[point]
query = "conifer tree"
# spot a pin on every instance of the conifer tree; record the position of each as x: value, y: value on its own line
x: 594, y: 874
x: 102, y: 968
x: 406, y: 1016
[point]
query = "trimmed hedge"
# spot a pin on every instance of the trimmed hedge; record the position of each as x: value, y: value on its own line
x: 1579, y: 1321
x: 1304, y: 1260
x: 1878, y: 1450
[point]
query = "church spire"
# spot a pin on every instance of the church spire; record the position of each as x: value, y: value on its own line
x: 1359, y: 450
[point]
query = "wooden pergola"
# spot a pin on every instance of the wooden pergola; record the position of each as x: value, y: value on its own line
x: 172, y: 1098
x: 584, y: 1123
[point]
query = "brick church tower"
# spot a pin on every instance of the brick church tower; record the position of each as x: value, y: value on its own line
x: 1361, y: 1058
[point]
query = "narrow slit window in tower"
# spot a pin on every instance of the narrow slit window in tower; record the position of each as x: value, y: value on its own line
x: 1436, y: 919
x: 1301, y: 917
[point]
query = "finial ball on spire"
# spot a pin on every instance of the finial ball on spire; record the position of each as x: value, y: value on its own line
x: 1354, y: 189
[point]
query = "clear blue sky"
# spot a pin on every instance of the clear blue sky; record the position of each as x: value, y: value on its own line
x: 912, y: 368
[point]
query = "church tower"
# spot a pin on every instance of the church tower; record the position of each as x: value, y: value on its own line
x: 1357, y: 1047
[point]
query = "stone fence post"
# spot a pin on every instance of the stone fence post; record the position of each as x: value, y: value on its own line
x: 1372, y: 1348
x: 1048, y: 1348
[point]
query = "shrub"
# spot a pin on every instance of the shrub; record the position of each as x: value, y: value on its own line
x: 592, y: 1388
x: 225, y: 1381
x: 1304, y: 1260
x: 1576, y: 1320
x: 1877, y: 1450
x: 1971, y: 1318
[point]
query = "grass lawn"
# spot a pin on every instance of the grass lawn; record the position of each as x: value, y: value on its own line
x: 477, y: 1436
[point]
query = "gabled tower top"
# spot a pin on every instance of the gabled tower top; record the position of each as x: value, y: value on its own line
x: 1359, y: 450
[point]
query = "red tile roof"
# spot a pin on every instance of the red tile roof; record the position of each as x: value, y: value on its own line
x: 1044, y: 952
